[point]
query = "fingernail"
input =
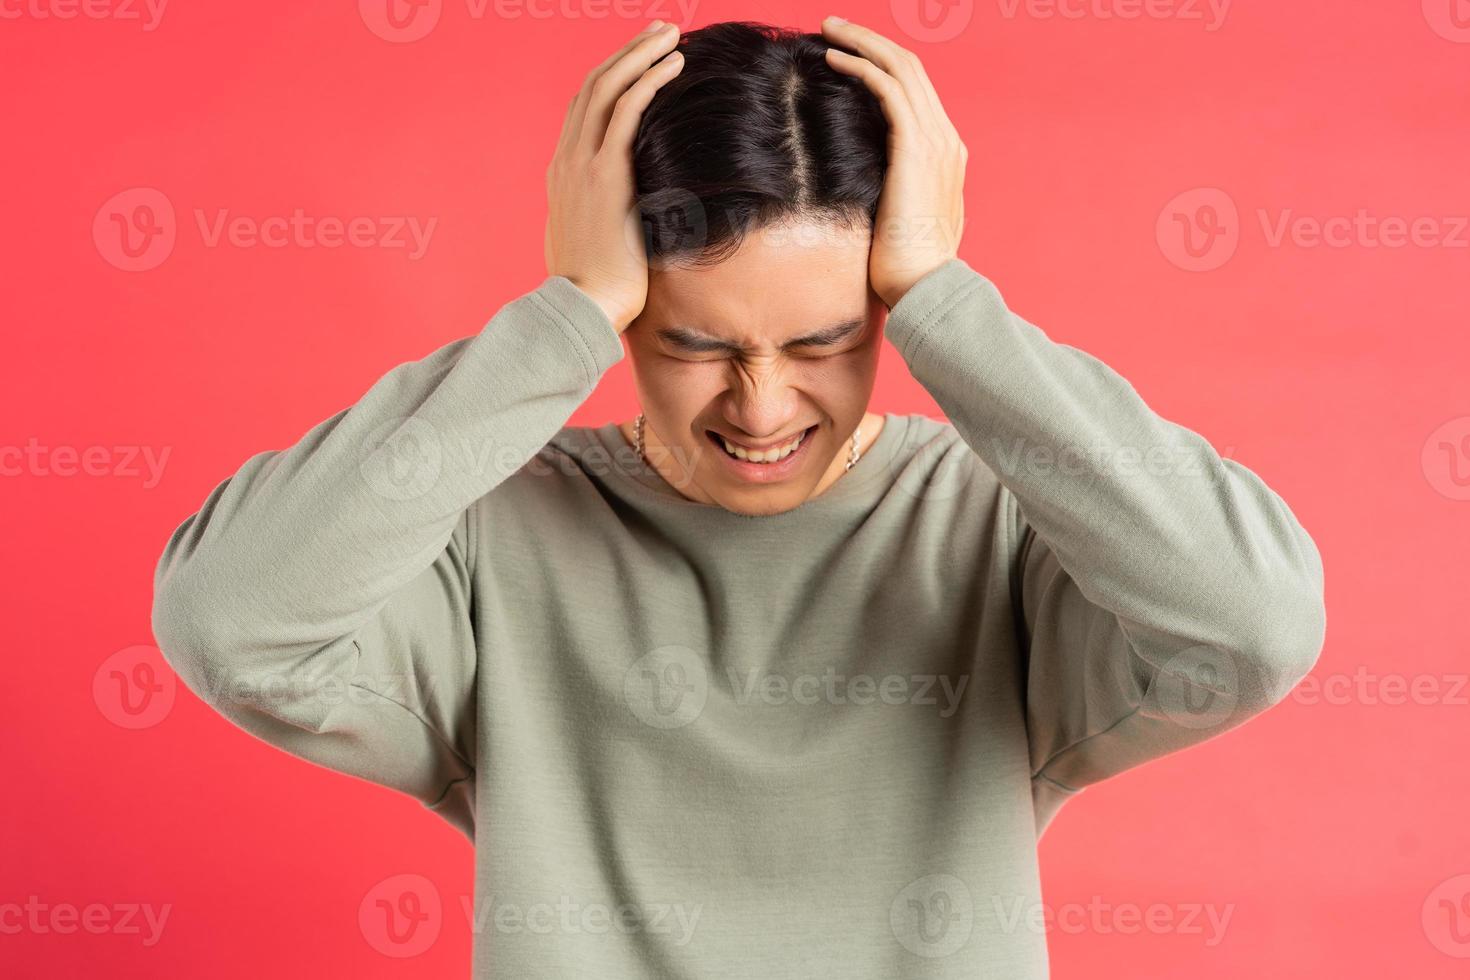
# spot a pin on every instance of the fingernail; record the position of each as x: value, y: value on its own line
x: 653, y: 26
x: 833, y: 18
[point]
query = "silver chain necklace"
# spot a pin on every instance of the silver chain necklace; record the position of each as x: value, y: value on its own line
x: 852, y: 456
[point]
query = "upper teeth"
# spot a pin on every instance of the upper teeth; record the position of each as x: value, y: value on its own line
x: 767, y: 456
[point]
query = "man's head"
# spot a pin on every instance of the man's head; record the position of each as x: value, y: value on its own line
x: 758, y: 173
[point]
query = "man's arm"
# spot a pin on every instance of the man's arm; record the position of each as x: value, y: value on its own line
x: 320, y: 598
x: 1164, y: 594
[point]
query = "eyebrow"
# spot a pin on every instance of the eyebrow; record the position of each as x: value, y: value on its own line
x: 692, y: 341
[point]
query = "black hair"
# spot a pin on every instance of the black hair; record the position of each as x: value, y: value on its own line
x: 756, y: 128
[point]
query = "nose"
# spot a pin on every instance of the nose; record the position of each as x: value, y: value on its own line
x: 763, y: 408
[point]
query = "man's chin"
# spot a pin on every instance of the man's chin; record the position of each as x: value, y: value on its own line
x: 758, y: 501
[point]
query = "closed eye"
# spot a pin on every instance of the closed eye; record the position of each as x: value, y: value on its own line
x: 687, y: 342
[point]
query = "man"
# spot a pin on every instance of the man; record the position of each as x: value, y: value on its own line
x: 761, y: 683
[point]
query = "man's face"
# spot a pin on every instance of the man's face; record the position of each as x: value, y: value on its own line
x: 779, y: 340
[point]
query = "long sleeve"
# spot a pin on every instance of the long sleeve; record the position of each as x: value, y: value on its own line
x: 321, y: 596
x: 1164, y: 594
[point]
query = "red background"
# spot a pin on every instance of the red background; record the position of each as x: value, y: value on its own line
x: 1332, y: 828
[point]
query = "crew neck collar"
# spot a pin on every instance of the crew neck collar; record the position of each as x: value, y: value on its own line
x: 869, y: 477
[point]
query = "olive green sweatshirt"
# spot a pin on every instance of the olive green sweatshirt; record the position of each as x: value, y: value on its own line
x: 690, y: 743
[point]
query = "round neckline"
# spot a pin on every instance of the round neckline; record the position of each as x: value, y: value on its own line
x: 628, y: 467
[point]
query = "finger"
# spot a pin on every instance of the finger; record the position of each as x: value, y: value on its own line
x: 926, y: 86
x: 620, y: 75
x: 577, y: 109
x: 567, y: 124
x: 628, y: 110
x: 897, y: 61
x: 890, y: 94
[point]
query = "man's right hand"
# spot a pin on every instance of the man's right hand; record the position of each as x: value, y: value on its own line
x: 593, y: 233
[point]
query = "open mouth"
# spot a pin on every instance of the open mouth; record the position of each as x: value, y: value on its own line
x: 781, y: 454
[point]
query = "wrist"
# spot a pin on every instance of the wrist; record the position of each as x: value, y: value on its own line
x: 617, y: 313
x: 893, y: 292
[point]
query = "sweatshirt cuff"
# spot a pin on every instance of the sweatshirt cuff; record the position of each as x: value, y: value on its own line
x: 927, y: 301
x: 585, y: 324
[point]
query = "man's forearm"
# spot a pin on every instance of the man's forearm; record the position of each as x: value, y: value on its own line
x: 301, y: 546
x: 1185, y: 547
